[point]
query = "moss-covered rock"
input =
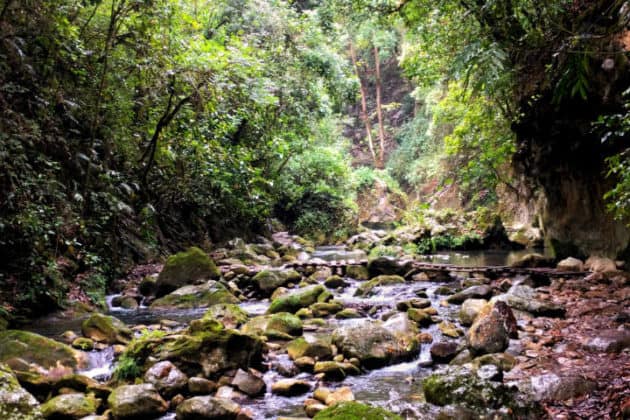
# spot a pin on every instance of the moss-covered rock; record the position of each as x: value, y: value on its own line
x: 200, y: 296
x: 39, y: 350
x: 335, y: 281
x: 136, y: 401
x: 367, y: 288
x: 70, y: 406
x: 83, y: 343
x: 348, y: 313
x: 229, y: 314
x: 317, y: 347
x: 357, y: 272
x: 355, y: 411
x: 269, y: 280
x: 15, y: 402
x: 293, y: 301
x: 185, y: 268
x: 106, y: 329
x: 280, y: 325
x: 336, y: 370
x: 324, y: 309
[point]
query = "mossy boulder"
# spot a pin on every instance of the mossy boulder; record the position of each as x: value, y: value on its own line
x: 136, y: 401
x: 39, y: 350
x: 357, y: 272
x: 106, y: 329
x: 355, y: 411
x: 83, y: 343
x: 317, y: 347
x: 366, y: 289
x: 348, y: 313
x: 334, y: 282
x: 280, y: 325
x: 70, y: 406
x: 324, y: 309
x: 229, y: 314
x: 196, y: 296
x: 470, y: 309
x: 336, y: 370
x: 269, y: 280
x: 295, y: 300
x: 15, y: 402
x: 185, y: 268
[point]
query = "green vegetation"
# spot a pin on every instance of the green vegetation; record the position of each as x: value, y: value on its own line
x: 355, y: 411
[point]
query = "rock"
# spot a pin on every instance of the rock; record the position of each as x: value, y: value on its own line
x: 444, y: 351
x: 336, y: 370
x: 185, y: 268
x: 106, y: 329
x: 196, y: 296
x: 374, y: 344
x: 366, y: 289
x: 83, y: 343
x: 325, y: 309
x: 608, y: 341
x: 419, y: 316
x: 229, y: 314
x: 207, y: 407
x: 305, y: 363
x: 489, y: 373
x: 357, y: 272
x: 417, y: 303
x: 550, y: 386
x: 249, y: 382
x: 70, y: 406
x: 166, y: 378
x: 389, y: 266
x: 343, y: 394
x: 201, y: 386
x: 503, y: 361
x: 282, y: 325
x: 312, y: 407
x: 523, y: 298
x: 570, y: 264
x: 470, y: 309
x: 269, y: 280
x: 491, y: 331
x: 533, y: 261
x: 318, y: 347
x: 290, y: 387
x: 348, y: 313
x: 293, y: 301
x: 600, y: 264
x: 148, y: 286
x: 334, y: 282
x: 473, y: 292
x: 15, y: 401
x: 39, y: 350
x: 136, y: 401
x: 449, y: 329
x: 353, y: 410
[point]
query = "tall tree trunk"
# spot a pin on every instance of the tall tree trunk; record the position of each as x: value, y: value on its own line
x: 364, y: 113
x: 379, y: 111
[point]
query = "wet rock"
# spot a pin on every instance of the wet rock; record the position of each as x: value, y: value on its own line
x: 367, y: 288
x: 570, y: 264
x: 290, y: 387
x: 504, y: 361
x: 556, y: 387
x: 293, y: 301
x: 251, y: 383
x: 70, y: 406
x: 106, y: 329
x: 533, y: 261
x: 229, y: 314
x: 462, y: 358
x: 318, y: 347
x: 389, y: 266
x: 449, y: 329
x: 148, y: 286
x: 39, y: 350
x: 269, y: 280
x: 470, y: 309
x: 348, y: 313
x: 201, y: 386
x: 444, y: 351
x: 609, y: 341
x: 196, y: 296
x: 491, y: 331
x: 523, y: 298
x: 166, y: 378
x: 136, y: 401
x: 343, y: 394
x: 15, y: 401
x: 334, y: 282
x: 600, y: 264
x: 336, y: 370
x: 83, y: 343
x: 325, y: 309
x: 357, y: 272
x: 207, y: 407
x: 354, y: 410
x: 185, y: 268
x: 417, y: 303
x: 419, y: 316
x: 282, y: 325
x: 376, y: 344
x: 473, y: 292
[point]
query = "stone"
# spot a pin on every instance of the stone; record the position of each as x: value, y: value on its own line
x: 570, y: 264
x: 608, y: 341
x: 357, y: 272
x: 106, y: 329
x: 185, y: 268
x: 489, y: 373
x: 348, y: 313
x: 293, y: 301
x: 600, y: 264
x: 419, y: 316
x: 551, y: 386
x: 444, y: 351
x: 474, y: 292
x: 312, y: 407
x: 504, y: 361
x: 353, y: 410
x: 83, y: 343
x: 148, y: 286
x: 321, y: 393
x: 282, y: 325
x: 305, y: 363
x: 36, y: 349
x: 334, y: 282
x: 15, y: 401
x: 201, y: 386
x: 207, y: 407
x: 491, y: 331
x: 166, y: 378
x: 196, y: 296
x: 367, y: 288
x: 325, y: 309
x: 343, y: 394
x: 269, y: 280
x: 449, y: 329
x: 70, y: 406
x: 136, y: 401
x: 229, y: 314
x: 318, y: 347
x: 250, y: 383
x: 532, y: 261
x: 336, y: 370
x: 290, y: 387
x: 470, y: 309
x: 418, y: 303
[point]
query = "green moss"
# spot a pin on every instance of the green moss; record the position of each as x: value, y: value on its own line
x: 186, y: 268
x: 355, y: 411
x: 319, y: 348
x: 15, y: 402
x: 285, y: 322
x: 188, y: 297
x: 293, y: 301
x: 83, y: 343
x: 230, y: 314
x: 366, y: 288
x: 105, y: 328
x: 69, y: 406
x: 38, y: 349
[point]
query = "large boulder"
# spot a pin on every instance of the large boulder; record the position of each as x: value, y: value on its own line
x: 196, y: 296
x: 249, y: 382
x: 295, y: 300
x: 15, y: 401
x: 184, y: 268
x: 269, y: 280
x: 39, y: 350
x: 492, y: 329
x: 366, y: 289
x: 317, y: 347
x: 166, y: 378
x: 377, y: 344
x: 389, y: 266
x: 229, y: 314
x: 106, y: 329
x: 207, y: 407
x: 136, y: 401
x: 70, y: 406
x: 280, y: 325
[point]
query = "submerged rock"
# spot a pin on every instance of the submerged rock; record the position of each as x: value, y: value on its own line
x: 15, y: 402
x: 136, y: 401
x: 106, y: 329
x: 249, y: 382
x: 186, y: 268
x: 200, y: 296
x: 207, y: 407
x: 318, y: 347
x: 290, y: 387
